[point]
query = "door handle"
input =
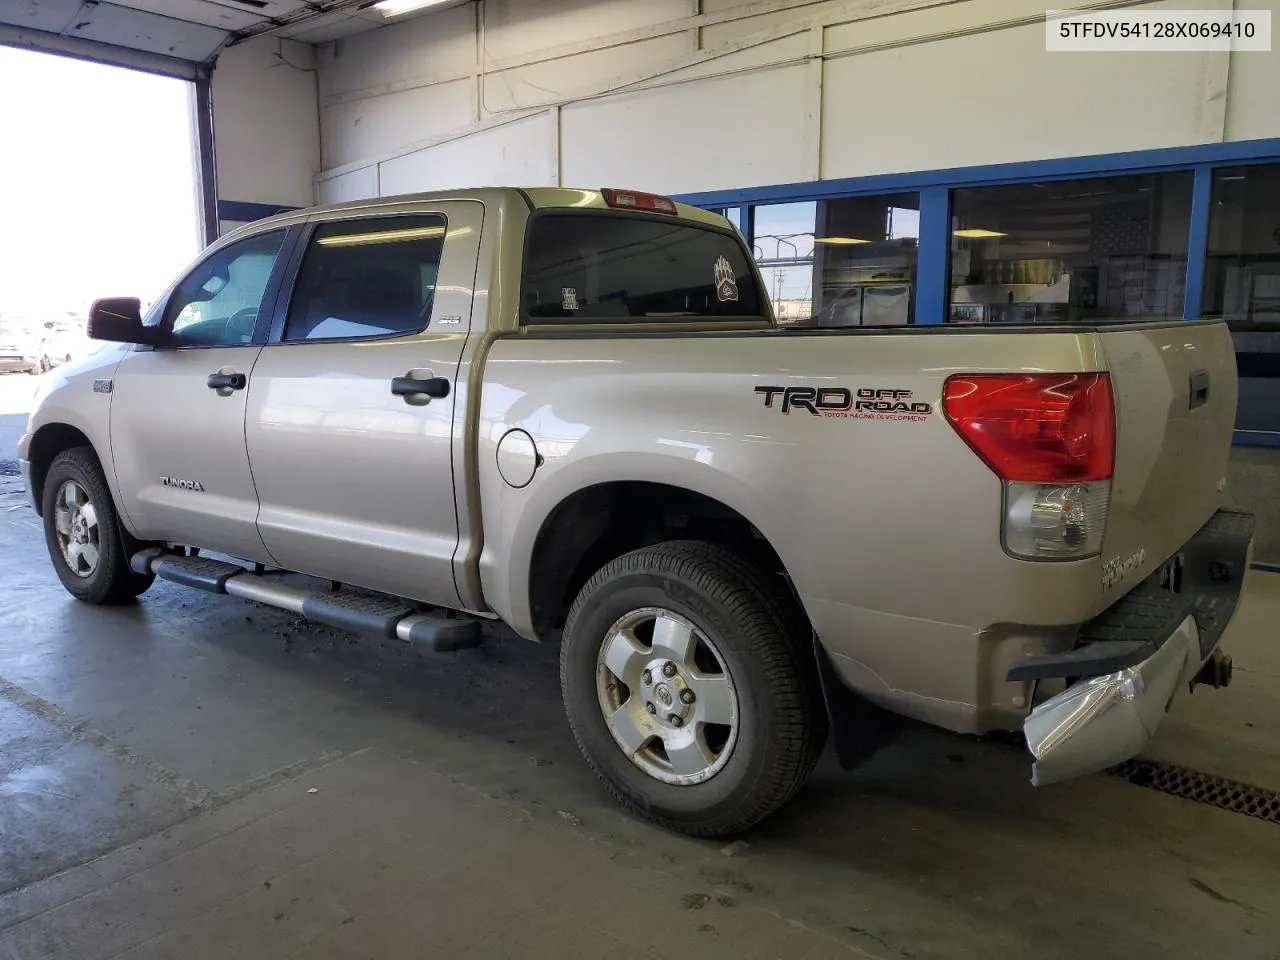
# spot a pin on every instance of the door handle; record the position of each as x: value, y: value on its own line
x: 227, y: 381
x: 1199, y: 391
x: 435, y: 387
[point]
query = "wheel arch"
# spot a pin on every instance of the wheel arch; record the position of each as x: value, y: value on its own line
x: 46, y: 443
x: 598, y: 523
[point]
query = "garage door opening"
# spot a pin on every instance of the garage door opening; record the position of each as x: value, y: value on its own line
x: 99, y: 190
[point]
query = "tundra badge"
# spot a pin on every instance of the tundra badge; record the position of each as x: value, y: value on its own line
x: 1117, y: 568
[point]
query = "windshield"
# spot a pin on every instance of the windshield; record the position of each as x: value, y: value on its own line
x: 608, y: 268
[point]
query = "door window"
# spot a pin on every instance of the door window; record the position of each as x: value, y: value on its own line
x: 367, y: 278
x: 217, y: 304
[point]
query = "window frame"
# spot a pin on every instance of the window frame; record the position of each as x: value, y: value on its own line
x: 297, y: 259
x: 525, y: 323
x: 270, y: 295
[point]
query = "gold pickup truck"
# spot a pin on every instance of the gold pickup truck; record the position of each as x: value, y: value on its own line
x: 573, y: 411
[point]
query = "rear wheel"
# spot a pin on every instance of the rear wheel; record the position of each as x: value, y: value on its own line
x: 82, y: 533
x: 689, y: 681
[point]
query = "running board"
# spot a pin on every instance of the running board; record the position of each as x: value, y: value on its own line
x: 358, y: 612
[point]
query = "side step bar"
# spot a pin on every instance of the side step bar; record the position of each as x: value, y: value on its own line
x: 357, y: 612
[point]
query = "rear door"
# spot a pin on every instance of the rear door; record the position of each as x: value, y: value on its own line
x: 177, y: 411
x: 351, y: 410
x: 1175, y: 396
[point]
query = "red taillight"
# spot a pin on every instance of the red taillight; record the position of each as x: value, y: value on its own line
x: 630, y: 200
x: 1036, y: 428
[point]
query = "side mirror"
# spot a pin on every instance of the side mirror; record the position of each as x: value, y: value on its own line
x: 118, y: 319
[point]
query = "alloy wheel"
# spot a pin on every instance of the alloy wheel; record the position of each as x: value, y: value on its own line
x: 76, y: 526
x: 667, y: 696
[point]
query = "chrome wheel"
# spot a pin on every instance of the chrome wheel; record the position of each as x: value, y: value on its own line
x: 76, y: 525
x: 667, y: 697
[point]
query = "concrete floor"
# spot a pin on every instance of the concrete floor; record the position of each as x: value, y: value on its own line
x: 194, y: 777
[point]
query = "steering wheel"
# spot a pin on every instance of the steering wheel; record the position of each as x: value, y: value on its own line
x: 240, y: 324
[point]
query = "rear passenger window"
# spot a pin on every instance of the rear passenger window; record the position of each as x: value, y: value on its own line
x: 366, y: 278
x: 609, y: 268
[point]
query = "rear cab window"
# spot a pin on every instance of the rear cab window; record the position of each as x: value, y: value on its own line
x: 609, y: 267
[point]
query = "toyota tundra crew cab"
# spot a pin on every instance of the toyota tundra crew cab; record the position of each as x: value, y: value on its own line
x: 572, y: 411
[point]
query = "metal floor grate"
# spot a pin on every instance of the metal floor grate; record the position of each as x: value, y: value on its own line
x: 1192, y: 785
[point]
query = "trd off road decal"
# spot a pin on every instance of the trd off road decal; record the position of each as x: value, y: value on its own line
x: 865, y: 403
x: 726, y: 281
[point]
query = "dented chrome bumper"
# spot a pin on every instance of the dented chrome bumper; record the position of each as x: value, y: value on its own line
x: 1102, y: 721
x: 1129, y: 662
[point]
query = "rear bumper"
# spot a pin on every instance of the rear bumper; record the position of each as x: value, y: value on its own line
x: 17, y: 365
x: 1130, y: 661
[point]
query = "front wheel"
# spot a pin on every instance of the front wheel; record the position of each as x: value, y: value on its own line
x: 689, y: 682
x: 82, y: 533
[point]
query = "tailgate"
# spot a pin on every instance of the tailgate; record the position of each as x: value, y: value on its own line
x: 1175, y: 395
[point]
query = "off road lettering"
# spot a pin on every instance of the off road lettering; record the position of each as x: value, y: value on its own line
x: 864, y: 403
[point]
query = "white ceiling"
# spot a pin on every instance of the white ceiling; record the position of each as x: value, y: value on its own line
x: 192, y: 30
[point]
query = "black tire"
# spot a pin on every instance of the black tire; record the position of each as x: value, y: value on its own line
x: 765, y: 644
x: 111, y: 581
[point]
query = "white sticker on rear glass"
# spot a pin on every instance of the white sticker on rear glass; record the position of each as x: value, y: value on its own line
x: 569, y: 298
x: 726, y: 281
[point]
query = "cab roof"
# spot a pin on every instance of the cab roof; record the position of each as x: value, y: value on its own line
x: 537, y: 198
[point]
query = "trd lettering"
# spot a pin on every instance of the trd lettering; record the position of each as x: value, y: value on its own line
x: 839, y: 401
x: 801, y: 398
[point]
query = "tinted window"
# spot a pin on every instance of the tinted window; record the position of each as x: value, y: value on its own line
x: 367, y: 278
x: 593, y: 268
x: 1071, y: 251
x: 1242, y: 275
x: 217, y: 303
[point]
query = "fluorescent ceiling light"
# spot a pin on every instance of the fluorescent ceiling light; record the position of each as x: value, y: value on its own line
x: 381, y: 236
x: 977, y: 233
x: 394, y: 8
x: 839, y: 240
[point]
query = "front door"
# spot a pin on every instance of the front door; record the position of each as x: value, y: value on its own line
x: 352, y: 404
x: 177, y: 411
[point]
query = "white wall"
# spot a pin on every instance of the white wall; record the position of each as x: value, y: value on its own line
x: 681, y: 95
x: 265, y: 122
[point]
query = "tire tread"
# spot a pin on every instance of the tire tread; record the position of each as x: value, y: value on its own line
x: 119, y: 584
x: 781, y: 642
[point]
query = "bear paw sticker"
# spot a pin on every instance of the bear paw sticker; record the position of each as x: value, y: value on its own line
x: 726, y: 281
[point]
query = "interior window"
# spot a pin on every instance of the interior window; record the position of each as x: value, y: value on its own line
x: 846, y: 262
x: 1070, y: 251
x: 217, y: 303
x: 372, y: 277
